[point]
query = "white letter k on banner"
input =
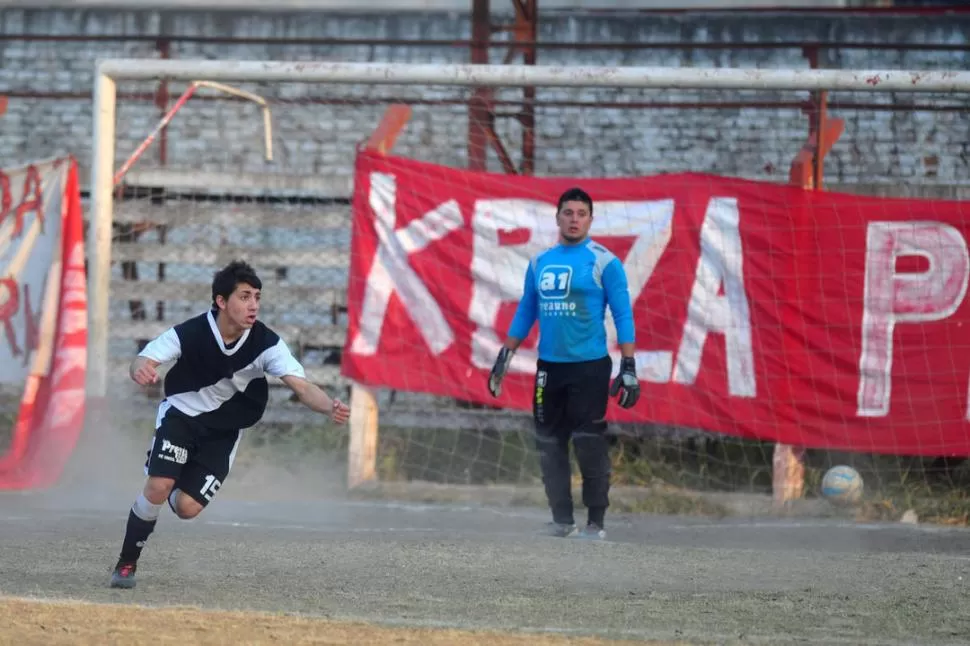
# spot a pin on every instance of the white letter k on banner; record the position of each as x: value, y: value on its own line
x: 391, y: 272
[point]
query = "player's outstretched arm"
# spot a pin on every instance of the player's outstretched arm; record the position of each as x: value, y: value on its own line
x: 280, y: 363
x: 314, y: 398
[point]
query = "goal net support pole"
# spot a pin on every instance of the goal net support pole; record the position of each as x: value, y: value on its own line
x: 364, y: 412
x: 109, y: 72
x: 788, y: 466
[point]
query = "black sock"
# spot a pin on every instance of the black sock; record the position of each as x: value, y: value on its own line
x: 596, y: 516
x: 141, y: 523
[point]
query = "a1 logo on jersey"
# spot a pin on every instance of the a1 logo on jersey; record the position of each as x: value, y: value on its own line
x: 554, y: 281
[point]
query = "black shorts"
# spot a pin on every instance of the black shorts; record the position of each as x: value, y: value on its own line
x: 198, y: 458
x: 569, y: 397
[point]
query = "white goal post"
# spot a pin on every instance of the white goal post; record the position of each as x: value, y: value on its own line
x: 109, y: 72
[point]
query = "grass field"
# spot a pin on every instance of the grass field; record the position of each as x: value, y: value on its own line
x: 51, y: 623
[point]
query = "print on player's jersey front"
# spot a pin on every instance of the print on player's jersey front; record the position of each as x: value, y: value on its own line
x: 557, y: 308
x: 554, y: 281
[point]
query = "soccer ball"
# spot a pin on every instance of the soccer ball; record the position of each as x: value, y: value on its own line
x: 842, y: 484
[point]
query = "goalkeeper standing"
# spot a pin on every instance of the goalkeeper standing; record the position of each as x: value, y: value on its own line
x: 567, y: 288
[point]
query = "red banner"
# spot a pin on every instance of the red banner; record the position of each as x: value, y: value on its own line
x: 46, y: 327
x: 764, y: 311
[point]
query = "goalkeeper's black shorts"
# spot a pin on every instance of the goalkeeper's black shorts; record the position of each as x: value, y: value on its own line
x: 568, y: 397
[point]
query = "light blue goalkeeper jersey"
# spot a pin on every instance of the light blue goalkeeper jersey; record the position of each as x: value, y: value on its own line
x: 568, y: 288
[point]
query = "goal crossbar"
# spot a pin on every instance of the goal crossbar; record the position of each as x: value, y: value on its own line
x: 540, y: 75
x: 110, y: 71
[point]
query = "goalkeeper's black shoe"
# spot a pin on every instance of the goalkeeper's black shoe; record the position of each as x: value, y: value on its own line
x: 592, y: 532
x: 561, y: 530
x: 124, y: 576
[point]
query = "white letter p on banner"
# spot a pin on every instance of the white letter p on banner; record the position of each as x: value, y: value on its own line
x: 892, y: 297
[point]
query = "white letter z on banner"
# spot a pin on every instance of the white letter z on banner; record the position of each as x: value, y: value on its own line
x: 391, y: 271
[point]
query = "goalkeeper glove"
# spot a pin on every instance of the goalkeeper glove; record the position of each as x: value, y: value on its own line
x: 498, y: 371
x: 626, y: 383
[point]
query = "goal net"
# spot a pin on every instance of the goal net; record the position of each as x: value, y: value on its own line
x: 780, y: 329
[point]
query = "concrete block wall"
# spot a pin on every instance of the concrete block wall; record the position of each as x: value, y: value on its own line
x: 311, y: 138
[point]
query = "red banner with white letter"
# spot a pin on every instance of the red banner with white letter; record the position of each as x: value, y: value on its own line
x: 764, y: 311
x: 43, y: 318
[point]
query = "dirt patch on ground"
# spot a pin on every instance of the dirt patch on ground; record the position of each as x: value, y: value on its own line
x: 28, y: 621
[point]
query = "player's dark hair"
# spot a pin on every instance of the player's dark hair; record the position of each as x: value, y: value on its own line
x: 575, y: 195
x: 226, y: 279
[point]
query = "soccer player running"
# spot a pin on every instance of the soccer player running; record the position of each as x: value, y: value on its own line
x: 216, y: 388
x: 567, y: 288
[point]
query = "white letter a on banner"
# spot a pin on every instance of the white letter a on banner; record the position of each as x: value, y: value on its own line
x: 392, y: 273
x: 720, y: 265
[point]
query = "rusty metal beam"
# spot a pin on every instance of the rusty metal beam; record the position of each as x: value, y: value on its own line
x: 523, y: 32
x: 526, y: 31
x: 464, y: 44
x: 480, y: 111
x: 164, y: 48
x: 503, y: 155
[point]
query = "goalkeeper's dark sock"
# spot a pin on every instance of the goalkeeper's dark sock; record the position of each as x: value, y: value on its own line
x: 141, y: 523
x: 596, y: 516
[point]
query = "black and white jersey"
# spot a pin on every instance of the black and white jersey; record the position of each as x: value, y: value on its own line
x: 221, y: 387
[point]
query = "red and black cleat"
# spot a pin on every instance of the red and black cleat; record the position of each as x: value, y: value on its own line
x: 123, y: 576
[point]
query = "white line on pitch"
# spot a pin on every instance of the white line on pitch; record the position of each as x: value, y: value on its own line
x: 822, y: 524
x: 319, y: 528
x: 250, y: 525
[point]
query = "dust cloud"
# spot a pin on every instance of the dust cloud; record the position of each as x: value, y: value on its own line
x: 106, y: 470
